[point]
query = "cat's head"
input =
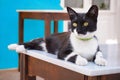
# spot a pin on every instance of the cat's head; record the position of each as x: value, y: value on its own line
x: 84, y: 25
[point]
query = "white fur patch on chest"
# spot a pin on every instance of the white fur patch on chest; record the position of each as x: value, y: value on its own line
x: 86, y: 49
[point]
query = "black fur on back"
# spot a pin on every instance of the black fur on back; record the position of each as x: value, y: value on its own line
x: 56, y: 42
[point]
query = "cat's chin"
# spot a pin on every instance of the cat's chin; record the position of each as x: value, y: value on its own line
x: 83, y: 36
x: 86, y: 36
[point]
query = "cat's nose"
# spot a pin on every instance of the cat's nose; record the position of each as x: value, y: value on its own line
x: 81, y: 32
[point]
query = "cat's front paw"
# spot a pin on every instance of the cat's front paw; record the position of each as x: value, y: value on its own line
x: 81, y: 61
x: 21, y: 49
x: 100, y: 61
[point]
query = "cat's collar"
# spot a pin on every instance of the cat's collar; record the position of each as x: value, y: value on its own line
x: 85, y: 39
x: 82, y: 39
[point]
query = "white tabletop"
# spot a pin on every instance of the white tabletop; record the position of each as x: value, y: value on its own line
x: 111, y: 53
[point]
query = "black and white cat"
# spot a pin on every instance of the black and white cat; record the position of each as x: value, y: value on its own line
x: 79, y: 46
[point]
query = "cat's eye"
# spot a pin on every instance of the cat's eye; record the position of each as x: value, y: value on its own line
x: 85, y: 24
x: 75, y: 24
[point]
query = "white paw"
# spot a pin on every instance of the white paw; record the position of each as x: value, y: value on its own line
x: 81, y: 61
x: 12, y: 46
x: 101, y: 61
x: 21, y: 49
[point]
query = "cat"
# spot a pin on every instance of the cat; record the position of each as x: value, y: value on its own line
x: 79, y: 46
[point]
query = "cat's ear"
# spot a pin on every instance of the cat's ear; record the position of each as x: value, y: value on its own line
x: 93, y: 11
x: 72, y: 13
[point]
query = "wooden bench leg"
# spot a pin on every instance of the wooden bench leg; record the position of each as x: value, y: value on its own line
x: 28, y: 78
x: 24, y: 68
x: 31, y: 78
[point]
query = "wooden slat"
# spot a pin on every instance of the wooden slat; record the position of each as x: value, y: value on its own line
x: 42, y: 15
x: 21, y: 29
x: 47, y: 27
x: 55, y: 26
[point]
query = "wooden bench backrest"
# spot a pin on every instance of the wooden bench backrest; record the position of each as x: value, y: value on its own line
x: 47, y: 17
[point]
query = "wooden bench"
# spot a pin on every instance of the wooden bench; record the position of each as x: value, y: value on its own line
x: 32, y: 66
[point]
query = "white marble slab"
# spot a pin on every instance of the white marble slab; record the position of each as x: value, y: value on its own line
x: 111, y: 53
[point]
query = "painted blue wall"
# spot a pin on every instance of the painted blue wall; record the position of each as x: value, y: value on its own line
x: 9, y: 26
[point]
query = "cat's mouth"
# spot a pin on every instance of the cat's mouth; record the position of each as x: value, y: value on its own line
x: 88, y: 35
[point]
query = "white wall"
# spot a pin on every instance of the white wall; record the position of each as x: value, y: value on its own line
x: 108, y: 24
x: 106, y: 27
x: 117, y: 20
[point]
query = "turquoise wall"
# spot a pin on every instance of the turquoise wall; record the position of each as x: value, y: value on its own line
x: 9, y: 26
